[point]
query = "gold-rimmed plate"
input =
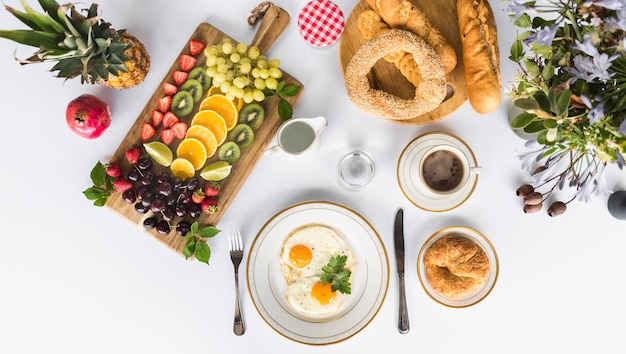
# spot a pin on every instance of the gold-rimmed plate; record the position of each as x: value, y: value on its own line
x: 370, y: 280
x: 477, y: 295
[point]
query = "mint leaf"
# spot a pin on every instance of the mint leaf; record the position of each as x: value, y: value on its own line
x: 209, y: 231
x: 98, y: 174
x: 290, y: 91
x: 203, y: 252
x: 285, y: 111
x: 94, y: 193
x: 190, y: 247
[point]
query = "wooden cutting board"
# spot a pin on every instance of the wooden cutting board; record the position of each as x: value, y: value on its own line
x: 271, y: 27
x: 386, y: 77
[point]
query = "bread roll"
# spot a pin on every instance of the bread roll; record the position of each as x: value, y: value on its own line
x: 481, y: 57
x: 403, y: 14
x: 370, y: 25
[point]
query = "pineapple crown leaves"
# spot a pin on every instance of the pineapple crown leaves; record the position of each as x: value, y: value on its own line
x: 84, y: 46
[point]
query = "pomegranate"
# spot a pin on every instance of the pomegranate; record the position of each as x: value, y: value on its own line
x: 88, y: 116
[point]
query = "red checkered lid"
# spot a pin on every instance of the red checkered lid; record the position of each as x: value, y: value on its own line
x: 321, y: 23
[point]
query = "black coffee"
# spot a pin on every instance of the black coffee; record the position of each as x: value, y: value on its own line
x: 442, y: 170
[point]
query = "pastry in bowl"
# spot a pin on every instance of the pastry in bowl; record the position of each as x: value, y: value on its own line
x: 457, y: 266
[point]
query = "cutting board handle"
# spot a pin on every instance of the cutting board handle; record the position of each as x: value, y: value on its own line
x: 272, y: 25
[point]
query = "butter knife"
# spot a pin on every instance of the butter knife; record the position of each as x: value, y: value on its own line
x: 398, y: 236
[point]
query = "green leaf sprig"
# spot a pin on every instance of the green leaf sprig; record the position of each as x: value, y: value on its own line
x: 102, y: 185
x: 336, y: 273
x: 285, y: 110
x: 196, y: 242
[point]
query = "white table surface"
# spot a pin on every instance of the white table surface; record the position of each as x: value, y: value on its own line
x: 79, y: 279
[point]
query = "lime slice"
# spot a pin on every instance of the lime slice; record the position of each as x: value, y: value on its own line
x: 159, y: 152
x: 216, y: 171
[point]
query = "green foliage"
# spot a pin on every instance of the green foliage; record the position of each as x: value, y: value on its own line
x: 336, y: 273
x: 196, y: 242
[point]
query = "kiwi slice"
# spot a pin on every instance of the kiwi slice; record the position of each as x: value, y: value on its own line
x: 242, y: 135
x: 252, y: 114
x: 182, y: 103
x: 200, y: 74
x: 194, y: 87
x: 229, y: 152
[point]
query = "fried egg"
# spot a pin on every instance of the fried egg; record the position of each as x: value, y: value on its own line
x: 305, y: 251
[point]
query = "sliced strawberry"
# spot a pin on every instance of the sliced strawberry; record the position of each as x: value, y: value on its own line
x: 169, y: 89
x: 164, y: 103
x: 196, y: 46
x: 147, y: 131
x: 169, y: 119
x: 179, y: 77
x: 157, y: 117
x: 187, y: 62
x: 167, y: 136
x: 180, y: 129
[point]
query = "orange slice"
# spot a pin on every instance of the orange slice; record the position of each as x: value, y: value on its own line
x: 205, y: 136
x: 182, y: 168
x: 238, y: 103
x: 193, y: 150
x: 214, y: 122
x: 214, y: 90
x: 222, y: 105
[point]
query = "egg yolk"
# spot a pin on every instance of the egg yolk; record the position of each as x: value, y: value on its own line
x: 322, y: 293
x: 300, y: 256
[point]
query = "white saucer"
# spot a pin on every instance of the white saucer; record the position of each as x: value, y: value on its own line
x: 411, y: 184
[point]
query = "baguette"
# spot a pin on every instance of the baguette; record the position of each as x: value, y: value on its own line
x: 371, y: 25
x: 481, y: 57
x: 403, y: 14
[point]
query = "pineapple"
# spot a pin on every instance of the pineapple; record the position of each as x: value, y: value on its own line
x: 84, y: 46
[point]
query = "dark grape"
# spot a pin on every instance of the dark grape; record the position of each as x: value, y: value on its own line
x: 133, y: 175
x: 194, y: 210
x: 146, y: 198
x: 192, y: 183
x: 144, y: 163
x: 162, y: 178
x: 176, y: 183
x: 168, y: 213
x: 129, y: 196
x: 184, y: 197
x: 157, y: 205
x: 181, y: 210
x: 171, y: 199
x: 150, y: 223
x: 140, y: 208
x: 147, y: 178
x: 164, y: 189
x: 163, y: 227
x: 183, y: 228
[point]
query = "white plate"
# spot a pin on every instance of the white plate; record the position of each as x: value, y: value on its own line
x: 477, y: 295
x: 411, y: 184
x: 369, y: 280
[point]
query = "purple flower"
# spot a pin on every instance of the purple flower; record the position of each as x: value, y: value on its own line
x: 587, y: 46
x: 517, y: 8
x: 596, y: 112
x: 583, y: 67
x: 607, y: 4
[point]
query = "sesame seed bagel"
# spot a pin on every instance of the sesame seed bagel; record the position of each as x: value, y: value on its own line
x: 429, y: 93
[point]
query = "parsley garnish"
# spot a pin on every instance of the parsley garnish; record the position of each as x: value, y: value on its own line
x: 336, y: 273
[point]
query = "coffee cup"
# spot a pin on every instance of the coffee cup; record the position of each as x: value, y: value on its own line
x: 298, y: 136
x: 445, y: 170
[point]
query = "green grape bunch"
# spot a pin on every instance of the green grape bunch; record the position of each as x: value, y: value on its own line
x: 241, y: 71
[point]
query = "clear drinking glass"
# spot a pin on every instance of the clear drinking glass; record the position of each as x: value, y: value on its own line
x: 356, y: 169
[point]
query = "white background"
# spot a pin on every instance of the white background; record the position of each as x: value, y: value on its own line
x: 79, y: 279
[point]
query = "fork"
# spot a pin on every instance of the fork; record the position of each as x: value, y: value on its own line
x: 236, y: 255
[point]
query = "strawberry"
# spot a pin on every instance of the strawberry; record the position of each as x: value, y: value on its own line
x: 212, y: 189
x: 157, y: 117
x: 187, y: 62
x: 147, y: 131
x: 121, y: 185
x: 167, y: 136
x: 179, y: 77
x: 209, y: 205
x: 113, y: 169
x: 198, y: 196
x: 164, y: 103
x: 169, y: 89
x: 133, y: 155
x: 196, y: 46
x: 169, y: 119
x: 180, y: 129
